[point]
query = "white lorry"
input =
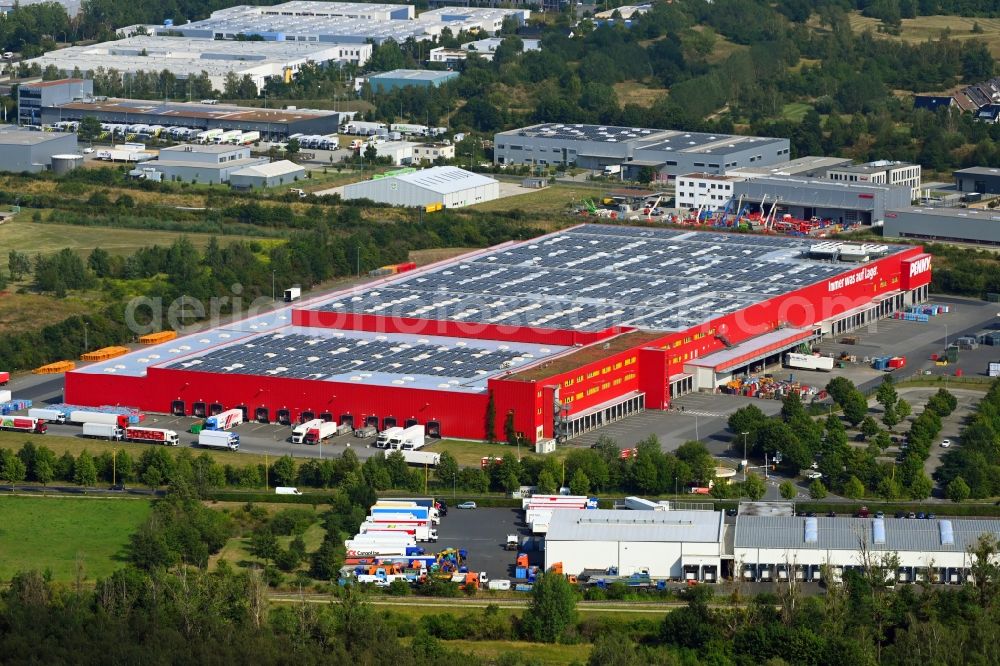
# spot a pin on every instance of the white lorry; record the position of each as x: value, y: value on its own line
x: 419, y: 457
x: 81, y: 416
x: 402, y: 439
x: 226, y: 420
x: 108, y: 431
x: 299, y: 432
x: 286, y: 490
x: 640, y: 504
x: 49, y: 415
x: 322, y: 431
x: 387, y: 437
x: 219, y: 439
x: 293, y: 294
x: 809, y: 362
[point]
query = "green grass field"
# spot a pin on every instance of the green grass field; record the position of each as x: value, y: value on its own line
x: 39, y: 238
x: 57, y: 533
x: 795, y: 111
x: 540, y: 652
x: 552, y: 200
x: 471, y: 454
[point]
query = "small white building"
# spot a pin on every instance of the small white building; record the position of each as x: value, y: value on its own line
x: 449, y: 186
x: 400, y: 152
x: 776, y: 547
x: 683, y: 545
x: 881, y: 172
x: 274, y: 174
x: 707, y: 191
x: 431, y: 152
x: 484, y: 48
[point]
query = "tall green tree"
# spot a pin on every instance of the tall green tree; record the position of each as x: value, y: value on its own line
x: 84, y: 472
x: 552, y: 609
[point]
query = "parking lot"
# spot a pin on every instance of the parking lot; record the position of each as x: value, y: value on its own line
x: 483, y: 533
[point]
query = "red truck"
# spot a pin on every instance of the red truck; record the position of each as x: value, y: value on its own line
x: 152, y: 435
x: 23, y: 424
x: 4, y: 378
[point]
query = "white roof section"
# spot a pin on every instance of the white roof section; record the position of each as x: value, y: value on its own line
x: 886, y: 534
x: 279, y: 168
x: 444, y: 179
x: 636, y: 526
x: 185, y: 56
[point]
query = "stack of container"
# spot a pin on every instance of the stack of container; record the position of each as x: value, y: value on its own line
x: 392, y: 269
x: 157, y: 338
x: 104, y: 354
x: 133, y: 414
x: 911, y: 316
x: 12, y: 406
x: 55, y: 368
x: 897, y: 362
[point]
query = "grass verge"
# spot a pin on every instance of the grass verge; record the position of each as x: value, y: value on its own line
x: 532, y: 652
x: 57, y: 533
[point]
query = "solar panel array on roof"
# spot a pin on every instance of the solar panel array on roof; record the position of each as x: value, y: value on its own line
x: 343, y: 355
x: 594, y: 277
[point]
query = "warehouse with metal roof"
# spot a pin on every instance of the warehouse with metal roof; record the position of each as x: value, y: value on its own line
x: 273, y: 174
x: 567, y: 332
x: 936, y: 550
x: 669, y: 153
x: 663, y: 544
x: 448, y: 186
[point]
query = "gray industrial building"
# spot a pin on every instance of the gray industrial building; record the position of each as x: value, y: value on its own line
x: 844, y: 203
x: 33, y: 97
x: 958, y: 225
x: 669, y: 153
x: 273, y: 124
x: 210, y: 164
x: 25, y: 150
x: 282, y: 172
x: 983, y: 180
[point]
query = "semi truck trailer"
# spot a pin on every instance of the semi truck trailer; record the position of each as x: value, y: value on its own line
x: 402, y: 439
x: 50, y: 415
x: 420, y: 457
x: 81, y: 417
x: 152, y: 436
x: 323, y: 431
x: 224, y: 421
x: 419, y: 532
x: 809, y: 362
x: 299, y: 431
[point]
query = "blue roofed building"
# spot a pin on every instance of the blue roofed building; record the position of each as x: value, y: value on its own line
x: 402, y: 78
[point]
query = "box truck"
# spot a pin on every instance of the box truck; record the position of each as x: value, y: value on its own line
x: 219, y: 439
x: 299, y: 431
x: 23, y: 424
x: 81, y: 417
x: 107, y: 431
x: 809, y: 362
x: 324, y: 430
x: 224, y: 421
x: 5, y: 396
x: 406, y: 505
x: 4, y: 378
x: 293, y: 294
x: 152, y: 435
x: 559, y: 502
x: 50, y: 415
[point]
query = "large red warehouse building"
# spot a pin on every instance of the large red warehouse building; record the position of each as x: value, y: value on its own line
x: 567, y: 331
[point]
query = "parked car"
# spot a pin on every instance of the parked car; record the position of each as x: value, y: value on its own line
x: 900, y: 514
x: 911, y: 515
x: 945, y: 443
x: 931, y: 516
x: 921, y: 515
x: 880, y: 514
x: 813, y: 474
x: 466, y: 505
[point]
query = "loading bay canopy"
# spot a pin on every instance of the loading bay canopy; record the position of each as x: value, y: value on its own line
x: 752, y: 350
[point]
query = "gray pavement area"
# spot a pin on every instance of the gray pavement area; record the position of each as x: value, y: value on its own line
x: 483, y: 533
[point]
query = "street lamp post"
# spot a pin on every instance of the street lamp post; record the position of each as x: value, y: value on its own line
x: 744, y: 455
x: 273, y: 292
